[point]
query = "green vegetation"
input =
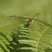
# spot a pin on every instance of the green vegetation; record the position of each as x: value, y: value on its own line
x: 15, y: 37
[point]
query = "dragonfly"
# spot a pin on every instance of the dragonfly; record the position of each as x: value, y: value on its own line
x: 30, y: 20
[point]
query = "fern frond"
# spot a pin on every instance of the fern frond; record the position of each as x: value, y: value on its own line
x: 18, y: 41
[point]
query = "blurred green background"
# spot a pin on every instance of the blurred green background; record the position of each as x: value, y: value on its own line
x: 25, y: 8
